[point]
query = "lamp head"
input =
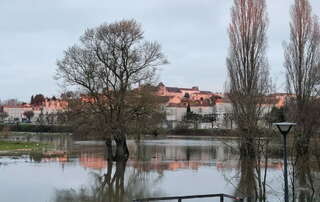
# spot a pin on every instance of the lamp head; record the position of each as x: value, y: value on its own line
x: 284, y: 127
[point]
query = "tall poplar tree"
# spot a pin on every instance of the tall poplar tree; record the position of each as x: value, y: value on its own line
x: 248, y: 71
x: 302, y: 64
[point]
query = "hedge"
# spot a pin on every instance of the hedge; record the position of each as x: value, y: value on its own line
x: 36, y: 128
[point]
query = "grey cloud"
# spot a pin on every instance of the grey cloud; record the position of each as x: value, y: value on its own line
x: 193, y: 35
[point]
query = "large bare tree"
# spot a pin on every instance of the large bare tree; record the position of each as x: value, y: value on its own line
x: 108, y: 63
x: 248, y: 72
x: 302, y: 63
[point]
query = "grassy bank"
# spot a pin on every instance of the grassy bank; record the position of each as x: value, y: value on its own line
x: 20, y: 146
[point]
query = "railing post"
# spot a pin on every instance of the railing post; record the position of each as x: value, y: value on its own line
x: 221, y: 198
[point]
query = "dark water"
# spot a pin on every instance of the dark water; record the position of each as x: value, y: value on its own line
x: 157, y: 167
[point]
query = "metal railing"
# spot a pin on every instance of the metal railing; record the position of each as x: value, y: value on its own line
x: 179, y: 198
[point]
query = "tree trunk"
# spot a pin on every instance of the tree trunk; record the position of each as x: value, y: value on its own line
x: 247, y: 186
x: 247, y: 147
x: 304, y: 179
x: 110, y: 156
x: 120, y: 170
x: 302, y: 146
x: 122, y: 152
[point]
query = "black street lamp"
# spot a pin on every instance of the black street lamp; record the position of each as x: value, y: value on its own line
x: 284, y: 128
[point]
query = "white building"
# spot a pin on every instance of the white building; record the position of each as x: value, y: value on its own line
x: 49, y: 107
x: 16, y: 113
x: 221, y: 109
x: 175, y: 113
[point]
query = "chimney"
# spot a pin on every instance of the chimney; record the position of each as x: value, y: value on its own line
x: 161, y: 84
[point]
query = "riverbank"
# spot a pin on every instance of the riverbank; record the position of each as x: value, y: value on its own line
x: 28, y: 130
x: 24, y: 127
x: 214, y: 132
x: 20, y: 146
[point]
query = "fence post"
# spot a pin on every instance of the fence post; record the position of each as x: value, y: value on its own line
x: 179, y: 199
x: 221, y: 198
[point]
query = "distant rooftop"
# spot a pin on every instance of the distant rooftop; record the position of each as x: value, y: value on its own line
x: 179, y: 90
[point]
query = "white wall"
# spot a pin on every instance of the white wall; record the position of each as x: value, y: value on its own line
x: 15, y: 112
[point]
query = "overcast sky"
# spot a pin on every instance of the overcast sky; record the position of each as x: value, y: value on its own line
x: 193, y: 35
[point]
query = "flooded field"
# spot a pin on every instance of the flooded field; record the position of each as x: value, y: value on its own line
x: 157, y: 167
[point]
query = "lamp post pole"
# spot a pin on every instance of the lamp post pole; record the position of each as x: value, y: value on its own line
x: 284, y: 128
x: 285, y: 170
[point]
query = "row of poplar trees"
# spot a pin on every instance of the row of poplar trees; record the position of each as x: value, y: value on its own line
x: 249, y: 83
x: 248, y: 69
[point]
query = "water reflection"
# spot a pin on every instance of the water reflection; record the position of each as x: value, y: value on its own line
x: 247, y: 186
x: 146, y: 167
x: 111, y: 186
x: 305, y: 184
x: 161, y: 156
x: 79, y: 171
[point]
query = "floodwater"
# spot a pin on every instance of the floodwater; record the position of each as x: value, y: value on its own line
x: 157, y: 167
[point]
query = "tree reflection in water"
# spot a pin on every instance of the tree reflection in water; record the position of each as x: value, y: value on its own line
x: 305, y: 184
x: 304, y: 180
x: 253, y: 169
x: 118, y: 184
x: 247, y: 185
x: 142, y: 175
